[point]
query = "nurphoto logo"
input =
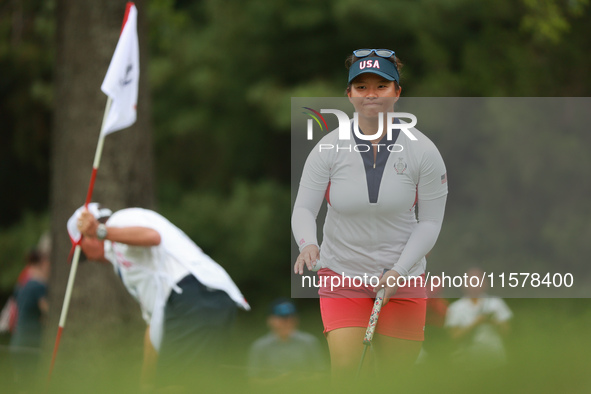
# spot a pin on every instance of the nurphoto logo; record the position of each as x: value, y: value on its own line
x: 345, y: 124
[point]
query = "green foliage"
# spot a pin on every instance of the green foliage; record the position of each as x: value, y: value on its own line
x: 222, y: 74
x: 26, y: 97
x: 244, y: 230
x: 547, y: 20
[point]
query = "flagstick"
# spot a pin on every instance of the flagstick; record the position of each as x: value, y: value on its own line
x: 76, y: 258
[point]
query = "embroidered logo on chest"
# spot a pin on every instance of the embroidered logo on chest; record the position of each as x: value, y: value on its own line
x: 401, y: 166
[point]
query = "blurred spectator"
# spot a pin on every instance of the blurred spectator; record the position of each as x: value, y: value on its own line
x: 32, y: 307
x: 9, y: 313
x: 477, y: 323
x: 285, y: 353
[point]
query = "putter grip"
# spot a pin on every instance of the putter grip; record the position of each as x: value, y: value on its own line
x: 373, y: 318
x: 317, y: 266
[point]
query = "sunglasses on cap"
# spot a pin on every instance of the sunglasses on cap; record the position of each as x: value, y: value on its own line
x: 385, y: 53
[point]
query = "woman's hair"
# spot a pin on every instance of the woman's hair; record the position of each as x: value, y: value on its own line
x: 352, y: 59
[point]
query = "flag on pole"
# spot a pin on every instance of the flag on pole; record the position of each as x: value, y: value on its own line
x: 121, y: 81
x: 121, y: 85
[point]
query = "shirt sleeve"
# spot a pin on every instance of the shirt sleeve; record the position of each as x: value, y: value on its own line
x: 432, y: 196
x: 316, y: 173
x: 432, y: 182
x: 501, y: 313
x: 313, y: 185
x: 424, y: 236
x: 303, y: 219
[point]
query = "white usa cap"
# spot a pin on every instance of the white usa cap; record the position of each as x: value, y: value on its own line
x: 97, y: 212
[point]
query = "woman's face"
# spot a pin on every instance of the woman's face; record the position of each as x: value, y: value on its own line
x: 371, y: 94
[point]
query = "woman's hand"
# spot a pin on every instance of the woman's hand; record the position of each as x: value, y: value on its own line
x: 389, y: 282
x: 308, y: 257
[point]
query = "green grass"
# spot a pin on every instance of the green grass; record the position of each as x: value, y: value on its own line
x: 548, y: 350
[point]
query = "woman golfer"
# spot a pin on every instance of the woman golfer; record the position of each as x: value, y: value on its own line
x: 372, y: 223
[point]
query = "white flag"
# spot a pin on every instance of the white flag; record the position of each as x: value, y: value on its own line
x: 121, y: 81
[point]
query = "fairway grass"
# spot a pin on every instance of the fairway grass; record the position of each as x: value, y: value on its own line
x: 548, y: 349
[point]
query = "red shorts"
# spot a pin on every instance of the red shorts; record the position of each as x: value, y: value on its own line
x: 347, y: 306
